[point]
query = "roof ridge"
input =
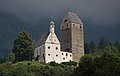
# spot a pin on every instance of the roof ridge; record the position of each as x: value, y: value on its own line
x: 74, y: 17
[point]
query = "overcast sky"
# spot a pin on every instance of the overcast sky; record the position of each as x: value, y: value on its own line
x: 101, y: 12
x: 100, y: 17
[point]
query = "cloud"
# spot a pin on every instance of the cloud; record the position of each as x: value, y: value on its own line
x: 100, y: 12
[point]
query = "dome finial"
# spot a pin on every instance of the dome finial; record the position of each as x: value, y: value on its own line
x: 52, y: 26
x: 52, y: 22
x: 51, y: 18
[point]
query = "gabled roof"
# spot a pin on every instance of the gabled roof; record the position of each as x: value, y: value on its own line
x: 42, y: 39
x: 73, y: 18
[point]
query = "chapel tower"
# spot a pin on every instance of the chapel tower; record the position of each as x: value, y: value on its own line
x: 72, y: 35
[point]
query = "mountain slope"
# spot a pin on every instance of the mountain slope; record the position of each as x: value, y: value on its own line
x: 10, y: 25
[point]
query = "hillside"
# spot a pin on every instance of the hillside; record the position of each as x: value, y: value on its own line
x: 10, y: 26
x: 34, y: 68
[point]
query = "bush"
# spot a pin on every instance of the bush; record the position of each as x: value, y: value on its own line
x: 53, y: 63
x: 108, y: 64
x: 71, y: 63
x: 28, y: 64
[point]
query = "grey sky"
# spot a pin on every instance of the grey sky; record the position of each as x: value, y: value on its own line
x: 100, y: 12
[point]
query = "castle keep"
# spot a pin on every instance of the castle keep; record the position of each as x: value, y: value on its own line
x: 71, y: 44
x: 72, y: 35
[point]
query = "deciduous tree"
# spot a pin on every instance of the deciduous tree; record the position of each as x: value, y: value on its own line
x: 23, y: 47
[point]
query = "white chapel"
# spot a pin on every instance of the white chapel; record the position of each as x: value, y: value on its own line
x: 48, y: 48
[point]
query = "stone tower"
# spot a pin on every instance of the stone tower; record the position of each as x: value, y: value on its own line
x: 72, y: 35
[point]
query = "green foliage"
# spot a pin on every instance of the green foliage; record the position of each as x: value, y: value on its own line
x: 6, y: 70
x: 86, y: 67
x: 103, y: 43
x: 71, y: 63
x: 0, y: 58
x: 86, y: 48
x: 21, y: 70
x: 51, y: 69
x: 11, y: 58
x: 117, y: 44
x: 53, y: 63
x: 14, y: 70
x: 106, y: 64
x: 23, y: 47
x: 92, y: 47
x: 112, y: 49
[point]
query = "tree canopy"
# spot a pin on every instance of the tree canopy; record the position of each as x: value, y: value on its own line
x: 23, y: 47
x: 105, y: 64
x: 11, y: 58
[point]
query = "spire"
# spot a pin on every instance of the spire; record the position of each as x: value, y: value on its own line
x: 52, y: 26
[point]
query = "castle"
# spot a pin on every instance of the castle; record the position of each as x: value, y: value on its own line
x: 71, y: 44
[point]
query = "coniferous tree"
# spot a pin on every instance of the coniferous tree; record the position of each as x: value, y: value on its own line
x: 23, y: 47
x: 103, y: 43
x: 86, y: 48
x: 0, y: 58
x: 92, y: 47
x: 11, y: 58
x: 117, y: 44
x: 105, y: 64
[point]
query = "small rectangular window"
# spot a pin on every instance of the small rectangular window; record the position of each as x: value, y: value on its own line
x: 66, y: 54
x: 62, y: 26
